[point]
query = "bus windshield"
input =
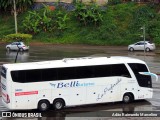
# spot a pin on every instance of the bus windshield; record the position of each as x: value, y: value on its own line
x: 3, y: 72
x: 143, y: 80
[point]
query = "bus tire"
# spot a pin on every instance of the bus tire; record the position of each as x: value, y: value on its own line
x: 58, y: 104
x: 43, y: 105
x: 127, y: 98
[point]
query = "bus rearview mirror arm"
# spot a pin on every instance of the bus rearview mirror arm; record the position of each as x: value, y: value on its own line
x: 149, y: 73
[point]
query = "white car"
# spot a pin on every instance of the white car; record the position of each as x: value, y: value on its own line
x: 140, y: 46
x: 17, y: 46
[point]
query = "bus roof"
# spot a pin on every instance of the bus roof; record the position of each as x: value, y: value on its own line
x: 71, y: 62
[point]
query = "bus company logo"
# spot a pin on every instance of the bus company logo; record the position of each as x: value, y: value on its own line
x: 71, y: 84
x: 53, y: 85
x: 107, y: 89
x: 18, y: 90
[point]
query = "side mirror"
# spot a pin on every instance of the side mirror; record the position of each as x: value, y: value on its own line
x: 149, y: 73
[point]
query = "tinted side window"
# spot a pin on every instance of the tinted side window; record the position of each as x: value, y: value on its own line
x: 136, y: 67
x: 33, y: 75
x: 49, y: 74
x: 120, y: 70
x: 18, y: 76
x: 84, y: 72
x: 102, y: 71
x: 66, y: 73
x: 79, y: 72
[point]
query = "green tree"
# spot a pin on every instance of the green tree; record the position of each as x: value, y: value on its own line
x: 45, y: 20
x: 88, y: 15
x: 31, y: 23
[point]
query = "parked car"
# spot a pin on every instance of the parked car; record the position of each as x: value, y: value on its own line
x: 17, y: 46
x: 140, y: 46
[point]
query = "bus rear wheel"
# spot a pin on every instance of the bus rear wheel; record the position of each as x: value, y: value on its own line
x: 43, y: 105
x: 58, y: 104
x: 127, y: 98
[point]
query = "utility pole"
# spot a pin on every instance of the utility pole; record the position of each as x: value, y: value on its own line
x: 15, y: 20
x: 144, y: 39
x: 15, y: 16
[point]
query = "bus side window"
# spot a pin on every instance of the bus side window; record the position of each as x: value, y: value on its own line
x: 120, y: 70
x: 49, y: 74
x: 18, y: 76
x: 33, y: 75
x: 84, y: 72
x: 102, y: 71
x: 66, y: 73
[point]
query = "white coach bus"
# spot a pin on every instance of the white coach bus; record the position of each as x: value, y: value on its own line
x: 74, y: 81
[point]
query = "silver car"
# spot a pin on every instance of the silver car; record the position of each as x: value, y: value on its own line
x: 17, y: 46
x: 140, y: 46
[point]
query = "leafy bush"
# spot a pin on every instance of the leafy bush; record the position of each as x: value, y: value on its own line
x: 19, y: 37
x: 45, y: 20
x: 31, y: 23
x: 61, y: 20
x: 88, y: 15
x: 154, y: 30
x: 142, y: 15
x: 120, y: 26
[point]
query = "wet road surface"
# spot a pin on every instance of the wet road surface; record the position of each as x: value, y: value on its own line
x: 54, y: 52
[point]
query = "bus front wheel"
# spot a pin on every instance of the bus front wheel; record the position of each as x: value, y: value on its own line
x: 127, y: 98
x: 58, y: 104
x: 43, y: 105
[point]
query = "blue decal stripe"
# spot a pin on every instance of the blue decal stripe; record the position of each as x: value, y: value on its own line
x: 151, y: 74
